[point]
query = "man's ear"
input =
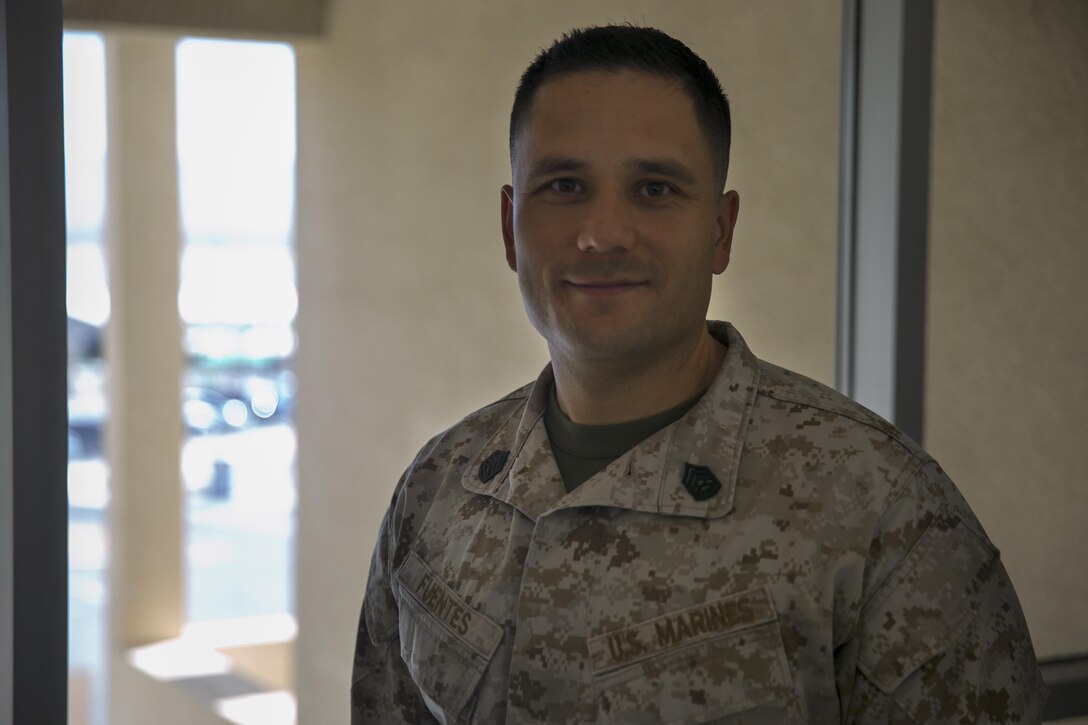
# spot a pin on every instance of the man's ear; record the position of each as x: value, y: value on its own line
x: 507, y: 205
x: 728, y: 208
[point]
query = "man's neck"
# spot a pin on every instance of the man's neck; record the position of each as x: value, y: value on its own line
x: 601, y: 393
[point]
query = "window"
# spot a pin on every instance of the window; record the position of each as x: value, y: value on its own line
x: 237, y: 300
x: 88, y: 305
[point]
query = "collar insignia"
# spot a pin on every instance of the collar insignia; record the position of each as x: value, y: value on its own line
x: 491, y: 465
x: 700, y: 482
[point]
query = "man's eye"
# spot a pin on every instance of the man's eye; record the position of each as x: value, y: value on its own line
x: 656, y: 189
x: 565, y: 186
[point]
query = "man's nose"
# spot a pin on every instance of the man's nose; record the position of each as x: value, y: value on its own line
x: 607, y: 225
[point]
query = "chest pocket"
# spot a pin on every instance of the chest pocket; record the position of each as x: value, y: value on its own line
x: 718, y: 662
x: 445, y: 643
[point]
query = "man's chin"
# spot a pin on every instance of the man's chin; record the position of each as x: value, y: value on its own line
x: 606, y: 343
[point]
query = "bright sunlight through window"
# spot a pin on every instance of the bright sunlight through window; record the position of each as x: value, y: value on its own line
x: 237, y: 300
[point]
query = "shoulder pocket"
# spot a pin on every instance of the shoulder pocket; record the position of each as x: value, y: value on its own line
x: 925, y: 603
x: 445, y: 643
x: 722, y: 661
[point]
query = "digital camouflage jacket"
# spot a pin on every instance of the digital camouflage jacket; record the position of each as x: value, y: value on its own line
x: 778, y: 555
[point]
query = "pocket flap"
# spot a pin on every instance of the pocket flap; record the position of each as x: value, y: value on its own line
x: 680, y: 629
x: 723, y: 660
x: 445, y: 643
x: 449, y: 610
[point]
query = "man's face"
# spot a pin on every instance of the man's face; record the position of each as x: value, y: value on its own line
x: 615, y: 223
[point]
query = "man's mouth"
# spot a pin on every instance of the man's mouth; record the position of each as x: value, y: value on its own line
x: 605, y: 286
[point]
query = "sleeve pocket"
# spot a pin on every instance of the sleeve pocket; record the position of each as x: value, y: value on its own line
x: 929, y: 598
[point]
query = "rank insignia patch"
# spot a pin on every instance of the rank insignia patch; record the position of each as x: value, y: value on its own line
x: 700, y: 482
x: 492, y: 465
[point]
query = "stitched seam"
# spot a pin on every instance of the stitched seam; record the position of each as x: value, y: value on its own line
x: 848, y: 416
x: 852, y: 630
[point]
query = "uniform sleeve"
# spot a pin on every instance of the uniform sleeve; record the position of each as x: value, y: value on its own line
x: 382, y: 691
x: 941, y: 636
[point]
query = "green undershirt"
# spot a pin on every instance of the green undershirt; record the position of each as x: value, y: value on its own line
x: 583, y: 450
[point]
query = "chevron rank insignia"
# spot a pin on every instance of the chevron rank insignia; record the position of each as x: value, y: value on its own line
x: 700, y: 482
x: 492, y: 465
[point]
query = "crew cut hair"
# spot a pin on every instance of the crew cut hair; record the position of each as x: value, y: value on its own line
x: 631, y: 47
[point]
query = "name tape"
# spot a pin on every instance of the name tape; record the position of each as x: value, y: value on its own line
x: 681, y: 628
x: 461, y: 620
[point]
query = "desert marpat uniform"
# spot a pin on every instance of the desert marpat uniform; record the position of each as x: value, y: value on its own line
x: 817, y: 567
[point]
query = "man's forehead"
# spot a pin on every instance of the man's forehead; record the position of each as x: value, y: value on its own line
x: 574, y: 119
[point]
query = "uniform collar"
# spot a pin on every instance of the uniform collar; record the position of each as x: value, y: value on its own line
x: 649, y: 477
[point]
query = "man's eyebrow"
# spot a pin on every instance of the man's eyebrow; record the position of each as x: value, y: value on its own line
x: 555, y: 164
x: 663, y: 167
x: 669, y: 168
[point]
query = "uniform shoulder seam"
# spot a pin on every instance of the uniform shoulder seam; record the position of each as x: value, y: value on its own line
x: 888, y: 430
x: 788, y: 386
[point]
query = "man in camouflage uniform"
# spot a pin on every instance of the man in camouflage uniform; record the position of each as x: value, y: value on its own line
x: 664, y: 528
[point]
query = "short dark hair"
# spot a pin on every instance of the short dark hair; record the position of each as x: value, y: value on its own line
x: 630, y: 47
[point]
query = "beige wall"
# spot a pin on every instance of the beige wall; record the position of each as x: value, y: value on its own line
x: 409, y: 318
x: 1008, y: 301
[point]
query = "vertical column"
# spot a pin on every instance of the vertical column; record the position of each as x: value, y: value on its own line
x: 144, y: 341
x: 33, y: 521
x: 887, y: 57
